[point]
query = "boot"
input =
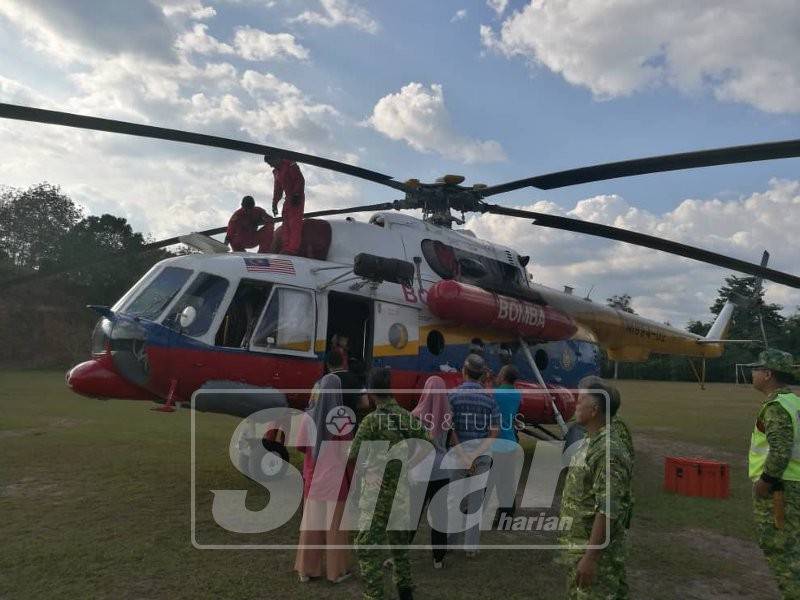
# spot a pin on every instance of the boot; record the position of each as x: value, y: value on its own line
x: 405, y: 593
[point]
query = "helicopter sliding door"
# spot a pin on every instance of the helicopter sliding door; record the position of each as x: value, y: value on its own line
x: 350, y: 325
x: 396, y: 344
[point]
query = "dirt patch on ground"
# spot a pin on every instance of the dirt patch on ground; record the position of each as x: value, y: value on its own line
x: 655, y: 447
x: 52, y: 424
x: 66, y: 423
x: 12, y: 433
x: 30, y: 487
x: 753, y: 580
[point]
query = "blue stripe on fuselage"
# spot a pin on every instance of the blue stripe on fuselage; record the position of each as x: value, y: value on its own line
x: 567, y: 362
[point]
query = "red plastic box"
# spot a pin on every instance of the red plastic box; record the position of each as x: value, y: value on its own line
x: 696, y: 477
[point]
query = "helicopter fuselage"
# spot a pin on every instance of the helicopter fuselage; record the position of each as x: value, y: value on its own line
x: 266, y: 321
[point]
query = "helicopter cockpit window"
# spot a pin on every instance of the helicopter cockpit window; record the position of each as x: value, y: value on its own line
x: 240, y: 319
x: 288, y: 322
x: 155, y: 297
x: 453, y: 263
x: 205, y: 294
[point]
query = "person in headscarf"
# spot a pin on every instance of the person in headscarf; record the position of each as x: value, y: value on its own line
x: 434, y: 412
x: 326, y: 482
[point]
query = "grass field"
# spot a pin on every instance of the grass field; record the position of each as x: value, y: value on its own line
x: 94, y: 503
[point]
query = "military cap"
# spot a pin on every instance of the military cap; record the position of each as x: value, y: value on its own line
x: 775, y: 360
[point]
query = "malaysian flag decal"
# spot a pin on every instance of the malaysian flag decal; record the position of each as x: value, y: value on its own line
x: 282, y: 266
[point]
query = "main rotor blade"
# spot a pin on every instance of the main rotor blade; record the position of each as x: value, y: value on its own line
x: 176, y: 240
x: 38, y: 115
x: 653, y: 164
x: 648, y: 241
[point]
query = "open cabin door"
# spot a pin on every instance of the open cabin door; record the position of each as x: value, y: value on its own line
x: 350, y: 322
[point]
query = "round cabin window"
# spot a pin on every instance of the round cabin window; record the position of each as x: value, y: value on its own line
x: 541, y: 359
x: 435, y: 342
x: 398, y: 335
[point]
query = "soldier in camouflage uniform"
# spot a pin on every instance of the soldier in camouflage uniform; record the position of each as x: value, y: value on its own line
x: 774, y: 466
x: 389, y: 422
x: 600, y: 508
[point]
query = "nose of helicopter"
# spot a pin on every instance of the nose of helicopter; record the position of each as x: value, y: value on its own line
x: 97, y: 378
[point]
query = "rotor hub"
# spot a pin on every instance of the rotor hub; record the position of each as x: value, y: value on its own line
x: 437, y: 200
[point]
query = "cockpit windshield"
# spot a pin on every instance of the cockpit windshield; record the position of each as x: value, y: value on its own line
x: 151, y: 301
x: 449, y: 262
x: 204, y: 295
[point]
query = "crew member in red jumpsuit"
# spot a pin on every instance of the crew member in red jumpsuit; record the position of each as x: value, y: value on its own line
x: 289, y: 181
x: 243, y: 228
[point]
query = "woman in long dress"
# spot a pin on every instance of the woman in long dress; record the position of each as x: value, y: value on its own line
x: 326, y: 482
x: 434, y: 412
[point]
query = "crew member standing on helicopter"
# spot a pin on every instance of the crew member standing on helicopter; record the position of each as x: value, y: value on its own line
x: 243, y: 228
x: 289, y: 181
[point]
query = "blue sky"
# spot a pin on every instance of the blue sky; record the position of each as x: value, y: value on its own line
x: 492, y: 90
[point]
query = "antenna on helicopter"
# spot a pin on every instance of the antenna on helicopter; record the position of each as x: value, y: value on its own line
x: 759, y: 300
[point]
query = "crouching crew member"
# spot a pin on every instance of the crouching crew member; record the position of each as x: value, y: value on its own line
x: 774, y: 464
x: 243, y: 228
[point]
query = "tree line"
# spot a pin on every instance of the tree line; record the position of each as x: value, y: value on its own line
x: 78, y: 259
x: 781, y: 332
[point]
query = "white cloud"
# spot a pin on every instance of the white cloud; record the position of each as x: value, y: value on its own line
x: 340, y: 12
x: 81, y: 31
x: 254, y: 44
x: 199, y: 41
x: 162, y: 188
x: 251, y: 44
x: 459, y: 16
x: 498, y: 6
x: 663, y: 286
x: 258, y: 84
x: 418, y: 116
x: 190, y: 8
x: 13, y: 92
x: 738, y: 50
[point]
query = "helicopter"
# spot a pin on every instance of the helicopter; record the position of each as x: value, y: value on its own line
x: 413, y: 294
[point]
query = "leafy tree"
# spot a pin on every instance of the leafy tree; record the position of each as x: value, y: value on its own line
x: 790, y: 340
x: 698, y: 327
x: 744, y: 325
x: 621, y: 302
x: 84, y: 260
x: 103, y: 256
x: 32, y: 222
x: 751, y: 303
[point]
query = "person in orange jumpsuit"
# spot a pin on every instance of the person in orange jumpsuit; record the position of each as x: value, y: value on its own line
x: 289, y: 181
x: 243, y: 228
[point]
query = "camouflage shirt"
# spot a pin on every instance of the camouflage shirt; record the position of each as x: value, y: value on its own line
x: 588, y: 490
x: 620, y: 429
x: 777, y: 425
x: 391, y: 423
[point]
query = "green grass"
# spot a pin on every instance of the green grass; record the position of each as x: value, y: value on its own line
x: 94, y: 503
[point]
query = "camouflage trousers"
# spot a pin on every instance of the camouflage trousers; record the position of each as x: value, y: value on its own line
x: 373, y: 532
x: 610, y: 582
x: 781, y: 547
